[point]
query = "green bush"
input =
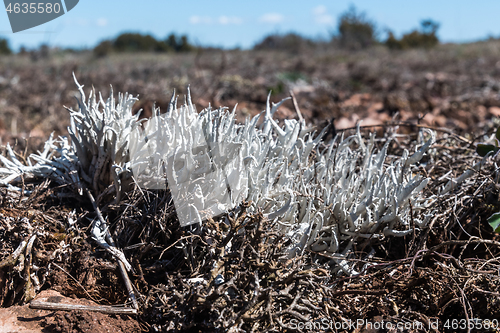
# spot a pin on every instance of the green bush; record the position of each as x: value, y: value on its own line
x: 392, y: 42
x: 134, y: 42
x: 425, y: 38
x: 355, y: 30
x: 4, y: 46
x: 178, y: 44
x: 104, y: 48
x: 290, y: 42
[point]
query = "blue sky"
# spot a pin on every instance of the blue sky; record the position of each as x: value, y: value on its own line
x: 242, y: 23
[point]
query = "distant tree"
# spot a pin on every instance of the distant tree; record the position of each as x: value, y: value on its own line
x: 178, y: 43
x: 429, y: 27
x: 392, y: 42
x: 355, y: 30
x: 135, y: 42
x: 23, y: 50
x: 73, y: 50
x: 184, y: 45
x: 103, y: 49
x: 4, y: 46
x: 290, y: 42
x: 423, y: 38
x: 44, y: 51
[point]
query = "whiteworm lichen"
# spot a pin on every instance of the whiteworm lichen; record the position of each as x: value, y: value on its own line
x: 324, y: 196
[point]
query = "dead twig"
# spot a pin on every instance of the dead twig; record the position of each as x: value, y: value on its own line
x: 94, y: 308
x: 296, y: 106
x: 359, y: 292
x: 121, y: 265
x: 465, y: 242
x: 12, y: 258
x: 179, y: 240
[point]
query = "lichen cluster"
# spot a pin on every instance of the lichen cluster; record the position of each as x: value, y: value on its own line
x: 324, y: 195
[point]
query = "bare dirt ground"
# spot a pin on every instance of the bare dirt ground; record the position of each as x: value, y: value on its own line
x: 23, y: 319
x: 448, y: 271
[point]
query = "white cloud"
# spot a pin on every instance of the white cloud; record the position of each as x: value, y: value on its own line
x: 319, y: 10
x: 272, y: 18
x: 324, y: 19
x: 321, y: 16
x: 223, y: 20
x: 229, y: 20
x: 195, y: 19
x: 102, y: 22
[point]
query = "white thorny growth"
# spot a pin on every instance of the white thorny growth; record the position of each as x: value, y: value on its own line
x: 324, y: 196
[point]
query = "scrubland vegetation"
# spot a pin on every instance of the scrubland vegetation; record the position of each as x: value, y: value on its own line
x: 447, y: 269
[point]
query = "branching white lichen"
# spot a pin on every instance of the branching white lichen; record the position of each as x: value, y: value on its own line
x: 57, y: 161
x: 99, y: 134
x: 94, y: 157
x: 325, y: 196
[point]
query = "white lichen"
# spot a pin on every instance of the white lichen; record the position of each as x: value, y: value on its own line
x: 324, y: 196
